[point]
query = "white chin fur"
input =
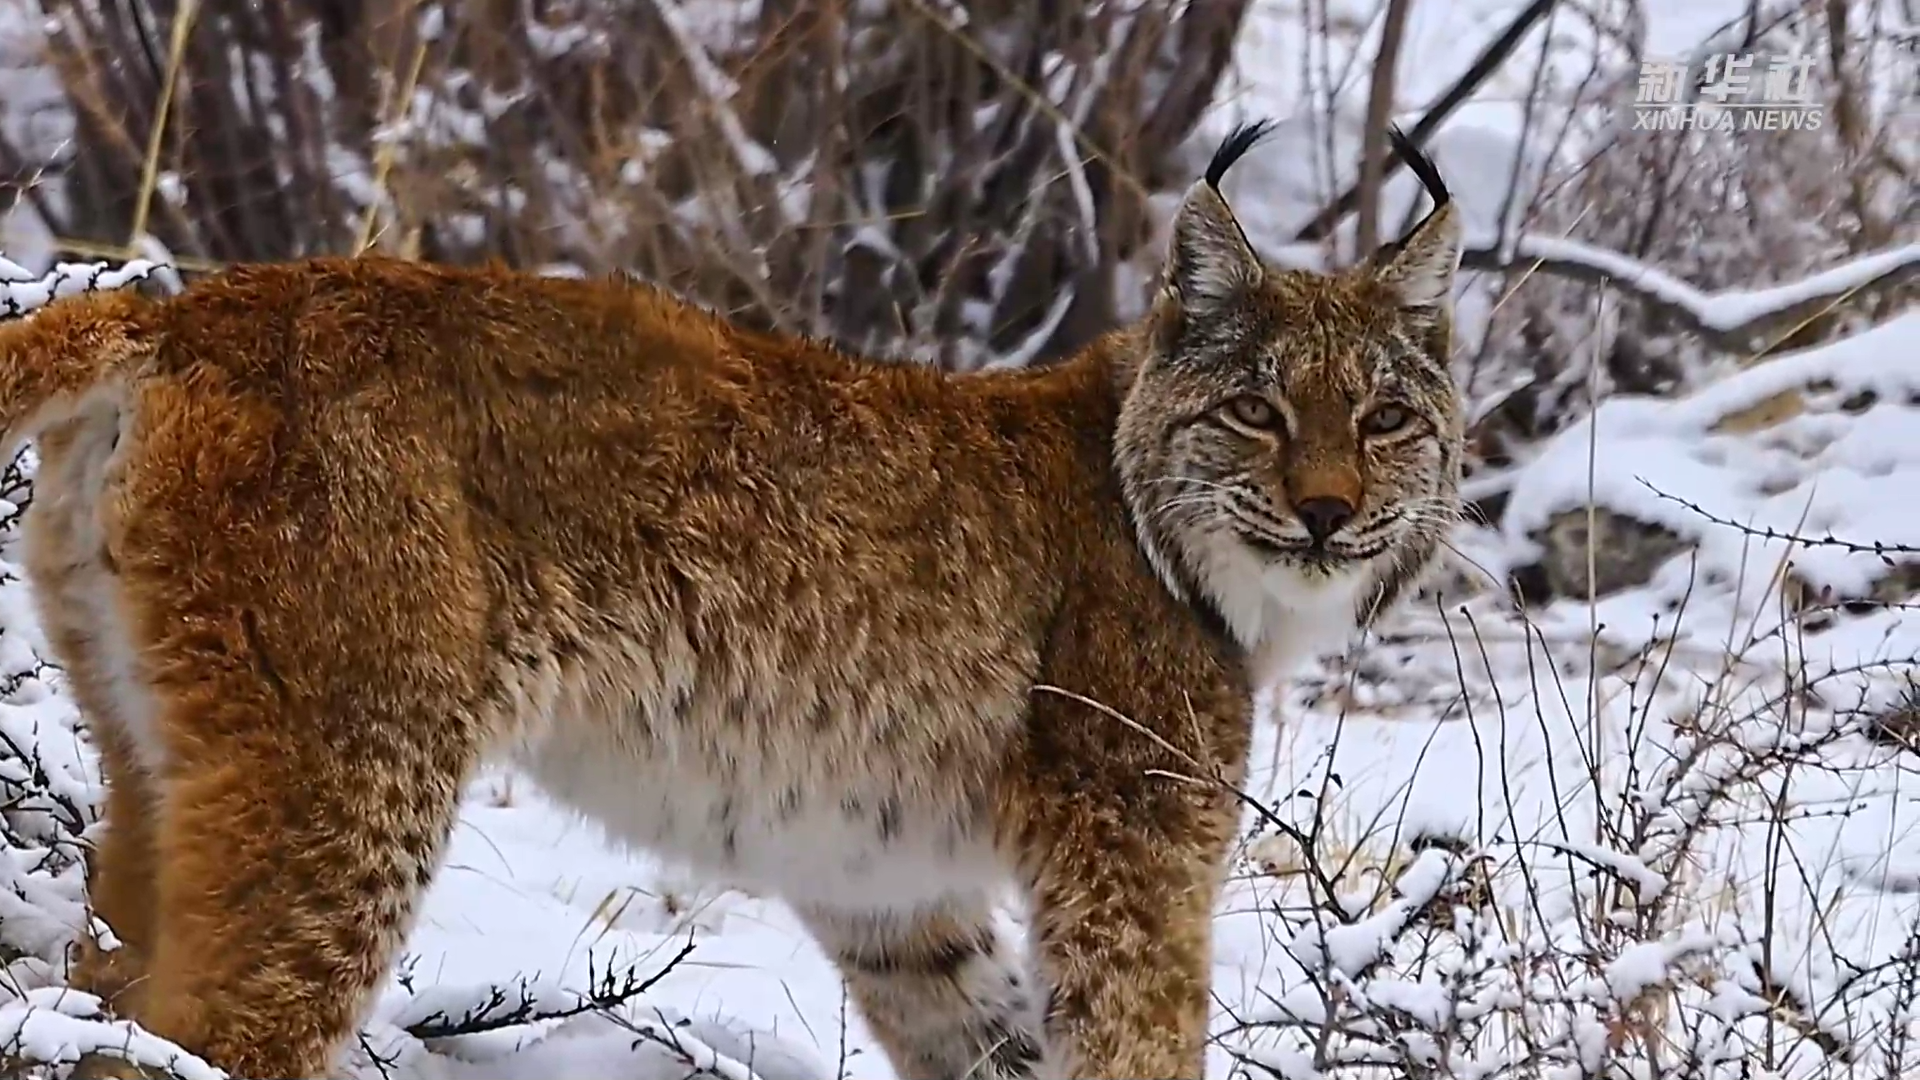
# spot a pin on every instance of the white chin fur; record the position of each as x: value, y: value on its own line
x: 1282, y: 615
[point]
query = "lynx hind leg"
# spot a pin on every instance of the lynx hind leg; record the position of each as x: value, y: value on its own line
x: 323, y: 702
x: 288, y: 865
x: 295, y: 839
x: 939, y: 988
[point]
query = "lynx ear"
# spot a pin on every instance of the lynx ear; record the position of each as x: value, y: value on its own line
x: 1210, y: 261
x: 1420, y: 267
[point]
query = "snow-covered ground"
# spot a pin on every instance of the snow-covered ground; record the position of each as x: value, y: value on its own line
x: 1652, y: 830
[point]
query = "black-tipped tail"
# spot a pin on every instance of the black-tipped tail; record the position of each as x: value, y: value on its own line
x: 1421, y: 165
x: 1234, y: 147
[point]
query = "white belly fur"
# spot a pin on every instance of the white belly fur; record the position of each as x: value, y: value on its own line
x: 778, y: 797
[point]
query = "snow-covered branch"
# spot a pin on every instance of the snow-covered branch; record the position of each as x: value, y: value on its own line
x: 55, y: 1025
x: 1423, y: 944
x: 1734, y: 320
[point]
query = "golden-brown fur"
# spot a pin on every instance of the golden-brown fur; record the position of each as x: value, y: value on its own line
x: 312, y: 540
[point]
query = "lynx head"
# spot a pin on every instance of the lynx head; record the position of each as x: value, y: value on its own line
x: 1289, y: 442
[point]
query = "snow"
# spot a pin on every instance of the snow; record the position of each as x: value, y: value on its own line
x: 1652, y: 827
x: 57, y: 1025
x: 29, y: 119
x: 1739, y: 496
x: 1648, y: 883
x: 1642, y: 967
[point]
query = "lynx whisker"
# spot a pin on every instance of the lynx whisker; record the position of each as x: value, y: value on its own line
x: 1180, y: 501
x: 1196, y: 481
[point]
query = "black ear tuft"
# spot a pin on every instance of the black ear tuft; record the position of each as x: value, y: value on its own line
x: 1421, y: 165
x: 1234, y: 147
x: 1420, y: 266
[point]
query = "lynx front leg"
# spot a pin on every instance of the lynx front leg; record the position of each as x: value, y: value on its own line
x: 939, y: 988
x: 1124, y: 864
x: 1122, y: 932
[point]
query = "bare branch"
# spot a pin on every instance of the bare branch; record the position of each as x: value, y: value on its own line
x: 1373, y: 148
x: 1477, y: 73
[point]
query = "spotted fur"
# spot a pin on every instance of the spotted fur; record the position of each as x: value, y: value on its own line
x: 314, y: 540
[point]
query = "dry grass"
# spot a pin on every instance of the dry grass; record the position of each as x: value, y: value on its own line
x: 897, y: 180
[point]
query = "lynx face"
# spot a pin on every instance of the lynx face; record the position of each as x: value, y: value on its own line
x: 1290, y: 444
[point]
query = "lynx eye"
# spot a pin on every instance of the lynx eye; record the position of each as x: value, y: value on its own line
x: 1386, y: 420
x: 1258, y: 413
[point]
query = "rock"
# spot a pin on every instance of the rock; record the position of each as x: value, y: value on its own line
x: 1626, y: 554
x: 1817, y: 606
x: 1763, y: 414
x: 1897, y: 586
x: 1528, y: 586
x: 1898, y: 726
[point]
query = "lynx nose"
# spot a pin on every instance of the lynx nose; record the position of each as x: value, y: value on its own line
x: 1323, y: 515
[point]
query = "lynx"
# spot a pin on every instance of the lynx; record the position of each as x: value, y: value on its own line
x: 312, y: 541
